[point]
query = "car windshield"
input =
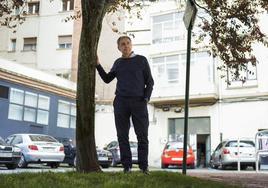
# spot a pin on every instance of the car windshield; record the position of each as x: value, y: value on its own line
x: 2, y: 141
x: 65, y: 141
x: 42, y: 138
x: 243, y: 143
x: 174, y: 145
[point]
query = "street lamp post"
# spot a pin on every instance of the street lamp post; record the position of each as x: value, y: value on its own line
x: 188, y: 18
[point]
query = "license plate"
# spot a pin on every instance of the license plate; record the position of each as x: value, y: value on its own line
x: 5, y: 154
x: 176, y: 159
x: 103, y: 158
x: 49, y: 149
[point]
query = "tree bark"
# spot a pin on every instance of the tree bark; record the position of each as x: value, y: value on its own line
x: 92, y: 16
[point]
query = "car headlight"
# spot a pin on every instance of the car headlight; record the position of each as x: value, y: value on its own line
x: 16, y: 149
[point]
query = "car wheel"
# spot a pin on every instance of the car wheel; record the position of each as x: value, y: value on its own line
x: 22, y: 163
x: 214, y: 166
x: 74, y: 162
x: 11, y: 166
x: 114, y: 163
x: 192, y: 166
x: 54, y: 165
x: 223, y: 167
x: 164, y: 165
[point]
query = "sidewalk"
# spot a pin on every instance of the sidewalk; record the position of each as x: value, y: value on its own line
x: 248, y: 179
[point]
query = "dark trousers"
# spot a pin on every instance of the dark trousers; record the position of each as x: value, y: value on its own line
x: 135, y: 107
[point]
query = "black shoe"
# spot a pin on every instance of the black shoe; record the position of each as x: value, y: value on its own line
x: 145, y: 171
x: 127, y: 170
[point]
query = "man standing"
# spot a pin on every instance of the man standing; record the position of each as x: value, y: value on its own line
x: 133, y: 91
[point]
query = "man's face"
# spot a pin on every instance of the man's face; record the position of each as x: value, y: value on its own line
x: 125, y: 47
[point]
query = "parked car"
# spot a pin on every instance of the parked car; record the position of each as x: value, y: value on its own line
x: 104, y: 156
x: 38, y: 148
x: 226, y: 154
x: 173, y: 155
x: 9, y: 155
x: 113, y: 147
x: 69, y: 150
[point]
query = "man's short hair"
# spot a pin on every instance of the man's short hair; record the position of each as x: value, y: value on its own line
x: 123, y: 37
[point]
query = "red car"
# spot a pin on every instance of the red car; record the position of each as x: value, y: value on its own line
x: 173, y: 155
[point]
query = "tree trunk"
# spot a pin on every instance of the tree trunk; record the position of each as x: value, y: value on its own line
x: 92, y: 16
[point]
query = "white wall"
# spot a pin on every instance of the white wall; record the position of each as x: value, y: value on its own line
x: 243, y: 119
x: 105, y: 130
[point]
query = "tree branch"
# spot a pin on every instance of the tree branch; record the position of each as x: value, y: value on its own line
x: 201, y: 6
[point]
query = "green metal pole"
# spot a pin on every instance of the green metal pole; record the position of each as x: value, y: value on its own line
x: 186, y: 105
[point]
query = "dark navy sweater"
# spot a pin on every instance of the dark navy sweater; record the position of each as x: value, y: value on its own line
x: 134, y: 78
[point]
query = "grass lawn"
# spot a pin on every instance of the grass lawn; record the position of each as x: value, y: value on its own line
x: 105, y: 180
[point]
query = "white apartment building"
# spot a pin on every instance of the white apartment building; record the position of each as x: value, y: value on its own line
x: 217, y: 110
x: 44, y: 40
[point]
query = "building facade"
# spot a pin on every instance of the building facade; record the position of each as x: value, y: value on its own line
x: 32, y: 101
x: 44, y: 40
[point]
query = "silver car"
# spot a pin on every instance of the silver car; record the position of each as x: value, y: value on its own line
x: 38, y: 148
x: 227, y: 153
x: 113, y: 147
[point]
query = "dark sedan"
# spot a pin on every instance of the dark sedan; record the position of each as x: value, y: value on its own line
x: 9, y: 155
x: 69, y: 150
x: 104, y: 156
x: 113, y: 147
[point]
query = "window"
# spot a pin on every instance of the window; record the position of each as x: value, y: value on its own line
x: 42, y: 138
x: 16, y: 96
x: 30, y: 99
x: 15, y: 112
x: 66, y: 114
x: 28, y: 106
x: 9, y: 139
x: 201, y: 65
x: 166, y: 69
x: 171, y: 69
x: 67, y: 5
x: 247, y: 76
x: 4, y: 92
x: 17, y: 140
x: 65, y: 42
x: 30, y: 44
x: 12, y: 45
x: 168, y: 28
x: 33, y: 8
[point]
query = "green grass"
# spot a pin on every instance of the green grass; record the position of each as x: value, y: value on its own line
x: 105, y: 180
